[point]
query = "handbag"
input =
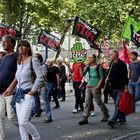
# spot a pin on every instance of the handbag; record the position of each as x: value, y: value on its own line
x: 125, y: 103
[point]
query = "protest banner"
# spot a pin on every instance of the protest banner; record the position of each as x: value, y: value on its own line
x: 5, y: 30
x: 78, y: 52
x: 132, y: 31
x: 84, y: 30
x: 48, y: 40
x: 124, y: 54
x: 107, y: 50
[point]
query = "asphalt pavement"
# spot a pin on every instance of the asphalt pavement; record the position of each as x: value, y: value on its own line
x: 65, y: 125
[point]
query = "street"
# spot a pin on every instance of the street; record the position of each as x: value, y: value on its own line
x: 65, y: 125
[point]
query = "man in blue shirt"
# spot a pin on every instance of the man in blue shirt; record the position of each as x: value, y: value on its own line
x: 8, y: 69
x: 134, y: 75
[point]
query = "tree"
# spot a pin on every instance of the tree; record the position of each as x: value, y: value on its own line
x: 30, y: 16
x: 108, y: 15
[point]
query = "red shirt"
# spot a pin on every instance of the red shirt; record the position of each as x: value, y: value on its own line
x: 77, y: 77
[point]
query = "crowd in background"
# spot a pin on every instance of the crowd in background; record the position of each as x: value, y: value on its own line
x: 25, y: 79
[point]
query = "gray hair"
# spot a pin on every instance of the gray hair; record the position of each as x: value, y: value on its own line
x: 10, y: 38
x: 59, y: 59
x: 116, y: 53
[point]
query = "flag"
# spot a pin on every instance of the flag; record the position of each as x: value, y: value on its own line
x: 105, y: 45
x: 84, y: 30
x: 48, y: 40
x: 132, y: 31
x: 5, y: 30
x: 124, y: 54
x: 95, y: 46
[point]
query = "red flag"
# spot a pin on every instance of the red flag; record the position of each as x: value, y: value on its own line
x: 124, y: 54
x: 105, y: 45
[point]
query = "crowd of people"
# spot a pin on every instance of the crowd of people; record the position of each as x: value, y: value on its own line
x: 25, y: 78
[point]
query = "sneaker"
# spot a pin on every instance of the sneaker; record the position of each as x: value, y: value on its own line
x: 56, y: 107
x: 81, y: 109
x: 47, y: 121
x: 105, y: 118
x: 30, y: 137
x: 38, y: 114
x: 121, y: 122
x: 83, y: 122
x: 62, y: 100
x: 75, y: 110
x: 92, y: 114
x: 111, y: 123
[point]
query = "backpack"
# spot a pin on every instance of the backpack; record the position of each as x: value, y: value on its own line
x: 33, y: 75
x: 104, y: 73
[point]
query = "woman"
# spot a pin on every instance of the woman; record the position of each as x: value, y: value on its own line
x: 44, y: 93
x: 26, y: 89
x: 93, y: 89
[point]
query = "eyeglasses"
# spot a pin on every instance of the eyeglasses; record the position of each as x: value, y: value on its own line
x: 4, y: 41
x: 21, y: 45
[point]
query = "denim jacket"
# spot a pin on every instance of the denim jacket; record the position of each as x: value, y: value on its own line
x: 20, y: 95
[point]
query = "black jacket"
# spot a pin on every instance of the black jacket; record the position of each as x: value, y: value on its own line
x: 119, y: 75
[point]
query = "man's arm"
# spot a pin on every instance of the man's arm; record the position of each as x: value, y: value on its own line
x: 58, y: 80
x: 68, y: 65
x: 10, y: 89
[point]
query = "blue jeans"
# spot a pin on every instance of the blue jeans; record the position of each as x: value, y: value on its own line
x: 45, y: 97
x: 134, y: 89
x: 36, y: 105
x: 51, y: 89
x: 116, y: 95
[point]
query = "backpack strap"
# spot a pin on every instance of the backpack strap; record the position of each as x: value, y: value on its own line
x: 97, y: 69
x: 33, y: 75
x: 88, y: 69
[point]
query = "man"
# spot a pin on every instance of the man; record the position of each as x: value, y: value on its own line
x: 2, y: 53
x: 63, y: 78
x: 8, y: 69
x: 119, y: 83
x: 134, y: 75
x: 53, y: 81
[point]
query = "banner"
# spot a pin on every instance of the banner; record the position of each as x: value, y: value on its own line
x: 5, y: 30
x: 85, y: 30
x: 95, y: 46
x: 132, y: 31
x: 105, y: 45
x: 48, y: 40
x: 124, y: 54
x: 78, y: 52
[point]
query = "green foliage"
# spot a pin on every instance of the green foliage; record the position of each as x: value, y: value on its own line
x: 108, y: 15
x: 29, y: 16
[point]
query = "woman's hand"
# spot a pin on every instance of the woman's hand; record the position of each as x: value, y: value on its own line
x: 30, y: 93
x: 96, y: 89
